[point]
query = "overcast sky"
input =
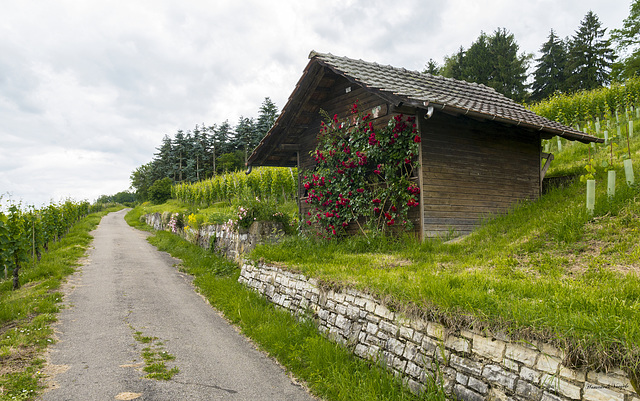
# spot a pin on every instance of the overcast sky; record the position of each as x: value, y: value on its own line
x: 89, y: 88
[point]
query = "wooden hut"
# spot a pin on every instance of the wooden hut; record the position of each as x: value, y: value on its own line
x: 480, y: 151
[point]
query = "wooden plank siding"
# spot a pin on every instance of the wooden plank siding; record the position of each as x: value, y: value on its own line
x: 472, y: 170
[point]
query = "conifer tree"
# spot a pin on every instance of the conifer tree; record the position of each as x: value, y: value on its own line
x: 245, y: 136
x: 590, y: 55
x: 267, y: 116
x: 549, y: 76
x: 432, y: 68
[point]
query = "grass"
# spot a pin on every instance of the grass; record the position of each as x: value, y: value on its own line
x: 547, y: 270
x: 27, y: 313
x: 330, y: 370
x: 155, y: 358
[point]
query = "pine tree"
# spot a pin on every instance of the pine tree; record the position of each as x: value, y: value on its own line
x: 245, y: 136
x: 163, y: 161
x: 432, y: 68
x: 549, y: 76
x: 590, y: 55
x: 509, y: 69
x: 179, y: 156
x: 267, y: 116
x: 627, y: 41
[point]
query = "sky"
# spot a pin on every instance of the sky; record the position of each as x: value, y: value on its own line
x: 88, y: 89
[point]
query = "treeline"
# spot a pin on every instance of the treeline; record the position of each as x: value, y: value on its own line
x: 587, y: 60
x: 201, y: 153
x: 26, y: 234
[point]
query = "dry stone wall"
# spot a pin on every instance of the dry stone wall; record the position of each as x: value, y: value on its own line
x: 221, y: 237
x: 470, y: 365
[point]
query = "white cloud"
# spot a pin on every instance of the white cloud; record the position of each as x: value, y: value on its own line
x: 88, y: 89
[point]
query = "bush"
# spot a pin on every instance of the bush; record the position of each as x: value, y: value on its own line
x: 160, y: 191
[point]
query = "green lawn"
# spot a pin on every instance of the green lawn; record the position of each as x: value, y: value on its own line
x: 547, y: 270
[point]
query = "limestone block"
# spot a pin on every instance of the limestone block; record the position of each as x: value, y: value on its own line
x: 550, y: 397
x: 465, y: 394
x: 496, y: 374
x: 611, y: 381
x: 389, y: 328
x: 528, y: 391
x: 384, y: 312
x: 572, y: 374
x: 396, y: 347
x: 488, y: 348
x: 458, y: 344
x: 371, y: 328
x: 465, y: 365
x: 419, y: 324
x: 462, y: 379
x: 530, y: 375
x: 511, y: 365
x: 343, y: 323
x: 429, y: 345
x: 594, y: 392
x: 548, y: 363
x: 521, y: 354
x: 353, y: 312
x: 370, y: 306
x: 406, y: 332
x: 436, y: 330
x: 414, y: 370
x: 561, y: 387
x: 411, y: 351
x: 362, y: 351
x: 414, y: 386
x: 478, y: 385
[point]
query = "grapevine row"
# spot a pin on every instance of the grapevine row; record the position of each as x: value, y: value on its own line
x: 602, y: 103
x: 25, y: 234
x: 279, y: 183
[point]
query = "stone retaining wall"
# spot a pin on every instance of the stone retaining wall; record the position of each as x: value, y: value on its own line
x: 220, y: 237
x: 470, y: 365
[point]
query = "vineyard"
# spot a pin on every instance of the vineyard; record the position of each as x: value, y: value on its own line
x: 274, y: 183
x: 612, y: 114
x: 611, y: 104
x: 25, y: 234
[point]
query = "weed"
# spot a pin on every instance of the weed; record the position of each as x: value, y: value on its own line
x: 155, y: 357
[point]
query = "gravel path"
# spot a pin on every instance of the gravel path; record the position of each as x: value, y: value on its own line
x: 127, y: 286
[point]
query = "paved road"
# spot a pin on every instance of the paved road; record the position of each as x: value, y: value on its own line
x: 126, y: 285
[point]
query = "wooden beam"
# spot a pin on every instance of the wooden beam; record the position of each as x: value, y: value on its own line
x: 293, y: 147
x: 549, y: 157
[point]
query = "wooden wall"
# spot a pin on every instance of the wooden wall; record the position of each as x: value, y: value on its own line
x: 473, y: 169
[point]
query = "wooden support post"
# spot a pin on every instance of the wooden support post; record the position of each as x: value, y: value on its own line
x: 549, y: 157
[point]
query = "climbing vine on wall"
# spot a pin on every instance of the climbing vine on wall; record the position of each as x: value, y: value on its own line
x: 363, y: 175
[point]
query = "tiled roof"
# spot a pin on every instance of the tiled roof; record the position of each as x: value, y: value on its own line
x: 423, y: 90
